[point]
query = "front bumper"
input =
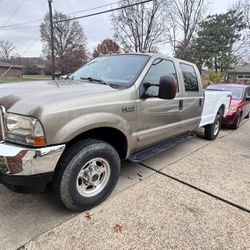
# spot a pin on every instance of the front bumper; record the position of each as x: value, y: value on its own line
x: 27, y: 169
x: 230, y: 119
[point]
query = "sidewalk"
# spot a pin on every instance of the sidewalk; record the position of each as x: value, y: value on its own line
x: 162, y: 213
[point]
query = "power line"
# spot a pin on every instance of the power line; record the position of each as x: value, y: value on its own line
x: 21, y: 27
x: 95, y: 8
x: 14, y: 12
x: 16, y: 25
x: 103, y: 12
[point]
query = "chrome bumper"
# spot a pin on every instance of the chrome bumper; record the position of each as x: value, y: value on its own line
x: 16, y: 160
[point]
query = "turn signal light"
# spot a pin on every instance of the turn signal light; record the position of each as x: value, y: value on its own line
x: 39, y: 141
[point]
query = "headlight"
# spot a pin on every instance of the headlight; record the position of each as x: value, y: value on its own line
x: 233, y: 109
x: 24, y: 130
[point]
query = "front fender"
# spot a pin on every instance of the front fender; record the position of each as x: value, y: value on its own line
x: 87, y: 122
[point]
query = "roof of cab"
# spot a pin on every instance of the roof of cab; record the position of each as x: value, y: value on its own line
x: 154, y: 55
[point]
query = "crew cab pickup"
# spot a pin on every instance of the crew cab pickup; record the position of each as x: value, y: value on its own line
x: 74, y: 133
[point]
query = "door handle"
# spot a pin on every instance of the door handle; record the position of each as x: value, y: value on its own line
x: 200, y: 101
x: 180, y: 104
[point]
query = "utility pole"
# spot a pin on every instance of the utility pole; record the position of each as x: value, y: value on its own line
x: 52, y: 39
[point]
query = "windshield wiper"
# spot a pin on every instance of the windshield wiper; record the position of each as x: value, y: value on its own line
x: 91, y: 79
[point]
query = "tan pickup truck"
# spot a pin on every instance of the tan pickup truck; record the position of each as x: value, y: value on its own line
x: 74, y: 133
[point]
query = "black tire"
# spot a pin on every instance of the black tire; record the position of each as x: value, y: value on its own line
x: 237, y: 124
x: 212, y: 130
x: 68, y: 179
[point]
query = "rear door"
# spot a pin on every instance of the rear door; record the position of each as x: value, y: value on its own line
x: 193, y: 95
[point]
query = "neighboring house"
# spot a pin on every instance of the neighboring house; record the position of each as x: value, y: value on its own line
x: 28, y: 62
x: 9, y: 70
x: 41, y: 68
x: 239, y: 74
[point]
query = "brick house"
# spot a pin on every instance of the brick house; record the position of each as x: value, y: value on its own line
x: 12, y: 70
x: 239, y: 74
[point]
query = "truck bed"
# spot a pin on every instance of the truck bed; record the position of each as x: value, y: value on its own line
x: 213, y: 100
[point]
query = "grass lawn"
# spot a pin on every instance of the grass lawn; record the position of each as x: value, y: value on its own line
x: 25, y: 78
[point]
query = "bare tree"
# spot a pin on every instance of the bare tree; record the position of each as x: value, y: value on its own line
x: 105, y: 47
x: 241, y: 48
x: 140, y: 27
x: 244, y: 7
x: 69, y: 42
x: 183, y: 19
x: 7, y: 50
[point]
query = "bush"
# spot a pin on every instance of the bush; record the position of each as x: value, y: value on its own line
x: 31, y: 70
x: 216, y: 77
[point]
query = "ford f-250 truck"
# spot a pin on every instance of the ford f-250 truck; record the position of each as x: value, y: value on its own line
x: 73, y: 134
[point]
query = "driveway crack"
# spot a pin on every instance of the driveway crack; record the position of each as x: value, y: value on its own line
x: 199, y: 189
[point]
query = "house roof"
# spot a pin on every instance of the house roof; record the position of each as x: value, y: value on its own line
x: 241, y: 69
x: 8, y: 65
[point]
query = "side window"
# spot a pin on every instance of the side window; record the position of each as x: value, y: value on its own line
x: 190, y: 77
x: 159, y: 68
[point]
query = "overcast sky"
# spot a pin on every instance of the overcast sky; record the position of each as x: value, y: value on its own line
x: 96, y: 28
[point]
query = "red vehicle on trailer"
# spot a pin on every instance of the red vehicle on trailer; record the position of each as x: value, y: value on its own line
x: 240, y: 104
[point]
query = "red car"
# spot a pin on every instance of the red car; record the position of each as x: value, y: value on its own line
x: 240, y: 104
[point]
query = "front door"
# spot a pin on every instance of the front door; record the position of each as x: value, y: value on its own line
x: 158, y: 119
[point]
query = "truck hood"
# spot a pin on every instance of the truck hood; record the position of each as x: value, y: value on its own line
x: 27, y: 96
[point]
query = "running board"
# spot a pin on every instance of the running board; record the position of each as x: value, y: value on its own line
x: 149, y: 152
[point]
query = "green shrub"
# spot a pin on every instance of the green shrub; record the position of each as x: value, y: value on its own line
x: 215, y: 77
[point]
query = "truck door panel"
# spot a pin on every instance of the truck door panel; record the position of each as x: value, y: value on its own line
x: 193, y: 96
x: 158, y: 119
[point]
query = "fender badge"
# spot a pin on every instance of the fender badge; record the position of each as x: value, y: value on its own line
x: 128, y: 109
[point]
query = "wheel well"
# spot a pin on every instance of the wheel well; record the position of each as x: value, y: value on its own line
x: 110, y: 135
x: 221, y: 110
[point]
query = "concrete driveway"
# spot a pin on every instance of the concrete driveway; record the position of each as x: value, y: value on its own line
x: 195, y: 195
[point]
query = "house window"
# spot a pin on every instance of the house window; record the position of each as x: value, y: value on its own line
x: 243, y: 76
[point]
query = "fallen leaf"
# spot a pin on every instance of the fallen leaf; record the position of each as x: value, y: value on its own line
x: 117, y: 228
x: 88, y: 215
x: 139, y: 174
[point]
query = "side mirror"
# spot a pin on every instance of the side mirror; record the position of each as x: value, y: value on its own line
x: 167, y: 88
x: 248, y: 98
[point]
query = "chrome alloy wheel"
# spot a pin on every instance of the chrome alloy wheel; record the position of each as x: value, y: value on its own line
x: 93, y: 177
x: 217, y: 126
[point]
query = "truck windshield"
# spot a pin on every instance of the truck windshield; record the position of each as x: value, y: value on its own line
x: 120, y: 70
x: 236, y: 91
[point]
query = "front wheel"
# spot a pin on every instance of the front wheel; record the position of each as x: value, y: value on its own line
x: 212, y: 130
x: 237, y: 123
x: 88, y: 173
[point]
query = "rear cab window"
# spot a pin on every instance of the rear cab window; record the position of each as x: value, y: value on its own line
x: 190, y: 77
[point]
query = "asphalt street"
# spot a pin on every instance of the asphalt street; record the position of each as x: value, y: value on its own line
x: 195, y: 195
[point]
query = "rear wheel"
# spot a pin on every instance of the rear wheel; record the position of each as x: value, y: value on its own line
x: 87, y: 174
x: 212, y: 130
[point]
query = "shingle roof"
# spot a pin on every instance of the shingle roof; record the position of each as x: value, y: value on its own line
x: 241, y: 68
x: 8, y: 65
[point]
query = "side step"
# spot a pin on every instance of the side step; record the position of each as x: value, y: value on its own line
x: 149, y: 152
